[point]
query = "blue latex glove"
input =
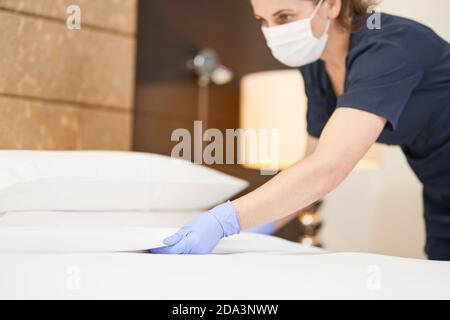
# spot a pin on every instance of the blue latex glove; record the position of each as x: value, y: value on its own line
x: 202, y: 234
x: 268, y: 229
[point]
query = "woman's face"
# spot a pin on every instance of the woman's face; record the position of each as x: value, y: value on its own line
x: 272, y: 13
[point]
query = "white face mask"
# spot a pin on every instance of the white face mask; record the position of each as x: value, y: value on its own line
x: 294, y: 44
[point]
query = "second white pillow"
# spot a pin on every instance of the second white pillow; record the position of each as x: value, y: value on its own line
x: 102, y: 181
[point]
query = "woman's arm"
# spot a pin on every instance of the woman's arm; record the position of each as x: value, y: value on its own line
x: 347, y: 137
x: 345, y: 140
x: 311, y: 146
x: 273, y: 227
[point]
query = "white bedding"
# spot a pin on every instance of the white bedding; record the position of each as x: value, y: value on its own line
x: 270, y: 269
x: 107, y: 232
x: 87, y: 232
x: 46, y: 255
x: 108, y: 180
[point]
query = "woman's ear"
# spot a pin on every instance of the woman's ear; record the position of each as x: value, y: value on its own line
x: 334, y: 8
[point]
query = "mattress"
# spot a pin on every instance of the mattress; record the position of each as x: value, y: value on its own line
x: 243, y: 267
x: 246, y: 266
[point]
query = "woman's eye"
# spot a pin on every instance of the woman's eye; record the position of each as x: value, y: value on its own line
x: 285, y: 18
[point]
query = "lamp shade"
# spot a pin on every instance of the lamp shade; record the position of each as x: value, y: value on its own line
x: 276, y: 100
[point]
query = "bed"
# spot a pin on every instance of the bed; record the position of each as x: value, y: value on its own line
x: 79, y: 226
x: 243, y: 267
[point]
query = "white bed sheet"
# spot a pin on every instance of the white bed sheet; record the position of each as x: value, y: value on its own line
x: 106, y: 232
x: 87, y: 232
x: 270, y: 269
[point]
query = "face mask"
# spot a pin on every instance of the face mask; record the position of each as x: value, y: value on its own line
x: 294, y: 44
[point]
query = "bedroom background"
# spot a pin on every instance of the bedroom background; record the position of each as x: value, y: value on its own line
x: 121, y: 83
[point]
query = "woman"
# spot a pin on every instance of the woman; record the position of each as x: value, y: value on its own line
x: 390, y: 85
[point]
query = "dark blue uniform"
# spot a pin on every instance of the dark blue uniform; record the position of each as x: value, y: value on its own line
x: 402, y: 73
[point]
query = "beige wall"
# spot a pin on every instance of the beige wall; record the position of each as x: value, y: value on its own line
x: 66, y: 89
x: 377, y: 211
x: 433, y: 13
x: 381, y: 211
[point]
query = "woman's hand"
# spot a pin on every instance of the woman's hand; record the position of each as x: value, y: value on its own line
x: 202, y: 234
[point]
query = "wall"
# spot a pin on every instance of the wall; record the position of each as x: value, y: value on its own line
x: 386, y: 217
x: 377, y: 211
x: 66, y: 89
x: 433, y: 13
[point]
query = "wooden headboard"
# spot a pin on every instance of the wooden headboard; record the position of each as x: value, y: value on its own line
x: 63, y: 89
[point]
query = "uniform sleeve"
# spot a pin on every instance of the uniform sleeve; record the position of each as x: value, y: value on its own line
x: 380, y: 80
x: 317, y: 114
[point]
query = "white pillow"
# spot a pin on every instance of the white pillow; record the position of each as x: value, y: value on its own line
x: 71, y: 232
x: 91, y: 219
x: 101, y: 181
x: 87, y: 231
x: 78, y: 240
